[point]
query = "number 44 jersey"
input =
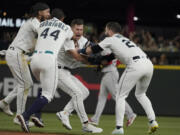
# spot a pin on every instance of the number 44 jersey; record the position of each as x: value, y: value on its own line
x: 51, y: 36
x: 122, y: 47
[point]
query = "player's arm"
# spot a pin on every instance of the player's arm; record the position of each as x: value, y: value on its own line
x: 91, y: 49
x: 74, y: 53
x: 96, y: 48
x: 107, y: 58
x: 3, y: 52
x: 99, y: 59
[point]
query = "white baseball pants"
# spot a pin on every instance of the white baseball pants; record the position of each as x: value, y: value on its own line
x: 138, y: 73
x: 73, y: 87
x: 44, y: 68
x: 20, y: 70
x: 109, y: 83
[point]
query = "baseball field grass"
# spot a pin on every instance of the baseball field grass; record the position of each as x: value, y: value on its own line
x: 168, y: 125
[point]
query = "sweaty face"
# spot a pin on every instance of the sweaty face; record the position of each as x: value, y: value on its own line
x: 44, y: 14
x: 78, y: 31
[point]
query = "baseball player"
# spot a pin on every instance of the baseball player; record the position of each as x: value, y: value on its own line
x: 51, y: 36
x: 23, y: 43
x: 139, y: 71
x: 108, y: 85
x: 68, y: 59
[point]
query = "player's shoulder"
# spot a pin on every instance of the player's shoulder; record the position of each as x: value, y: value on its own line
x: 65, y: 26
x: 63, y: 23
x: 83, y: 39
x: 33, y: 20
x: 107, y: 39
x: 68, y: 27
x: 119, y: 36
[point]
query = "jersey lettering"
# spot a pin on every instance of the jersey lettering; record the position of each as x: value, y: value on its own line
x: 44, y: 33
x: 128, y: 43
x: 54, y: 34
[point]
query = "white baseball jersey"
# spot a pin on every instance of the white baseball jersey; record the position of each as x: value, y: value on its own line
x: 26, y: 36
x: 51, y: 36
x: 69, y: 83
x: 49, y: 33
x: 120, y: 46
x: 138, y: 73
x: 24, y: 41
x: 65, y: 59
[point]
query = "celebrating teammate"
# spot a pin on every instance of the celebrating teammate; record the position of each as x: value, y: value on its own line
x: 108, y: 85
x: 139, y: 71
x: 51, y: 36
x: 23, y: 43
x: 68, y: 59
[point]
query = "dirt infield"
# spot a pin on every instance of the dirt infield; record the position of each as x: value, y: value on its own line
x: 21, y: 133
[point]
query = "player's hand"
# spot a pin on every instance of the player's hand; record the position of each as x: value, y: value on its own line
x: 3, y: 52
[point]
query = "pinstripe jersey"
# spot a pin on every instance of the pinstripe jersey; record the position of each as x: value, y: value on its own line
x: 26, y: 36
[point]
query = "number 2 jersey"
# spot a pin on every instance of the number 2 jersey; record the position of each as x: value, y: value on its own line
x: 122, y: 47
x: 51, y: 35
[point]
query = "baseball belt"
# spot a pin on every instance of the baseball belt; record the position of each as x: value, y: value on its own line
x: 138, y: 57
x: 20, y: 50
x: 47, y: 51
x: 61, y: 67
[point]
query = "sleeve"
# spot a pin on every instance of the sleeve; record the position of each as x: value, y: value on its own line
x: 105, y: 43
x: 106, y: 52
x: 35, y: 25
x: 69, y: 33
x: 69, y: 45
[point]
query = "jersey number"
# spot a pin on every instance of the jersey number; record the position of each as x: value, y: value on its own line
x: 128, y: 43
x: 54, y: 34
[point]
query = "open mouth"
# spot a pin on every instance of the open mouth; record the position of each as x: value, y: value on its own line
x: 78, y: 35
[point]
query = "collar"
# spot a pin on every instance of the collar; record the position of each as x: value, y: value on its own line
x: 117, y: 35
x: 54, y: 18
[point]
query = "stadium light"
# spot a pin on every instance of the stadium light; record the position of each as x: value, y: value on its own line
x: 178, y: 16
x: 135, y: 18
x: 4, y: 13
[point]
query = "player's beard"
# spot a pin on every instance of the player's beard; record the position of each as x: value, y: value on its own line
x: 44, y: 18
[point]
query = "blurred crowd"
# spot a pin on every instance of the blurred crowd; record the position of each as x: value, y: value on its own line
x: 146, y: 40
